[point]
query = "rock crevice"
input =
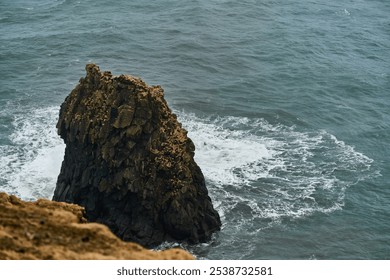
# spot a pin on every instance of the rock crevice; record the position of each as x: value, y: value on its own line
x: 129, y: 162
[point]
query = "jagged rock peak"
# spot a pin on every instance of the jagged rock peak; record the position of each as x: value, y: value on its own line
x: 129, y: 162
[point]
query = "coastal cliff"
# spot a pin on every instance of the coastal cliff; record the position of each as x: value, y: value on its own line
x: 130, y: 164
x: 55, y: 230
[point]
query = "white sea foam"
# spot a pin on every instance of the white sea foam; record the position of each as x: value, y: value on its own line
x: 257, y: 172
x: 242, y: 154
x: 346, y: 12
x: 265, y: 173
x: 31, y: 163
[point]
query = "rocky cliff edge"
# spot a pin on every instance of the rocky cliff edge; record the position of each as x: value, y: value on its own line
x: 55, y: 230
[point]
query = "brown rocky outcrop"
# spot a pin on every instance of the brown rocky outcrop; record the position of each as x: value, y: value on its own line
x: 129, y: 162
x: 56, y: 230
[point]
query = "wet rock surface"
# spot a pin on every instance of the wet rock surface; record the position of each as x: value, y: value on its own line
x: 129, y: 162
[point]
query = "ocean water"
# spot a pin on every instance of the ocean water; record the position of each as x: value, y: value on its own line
x: 287, y: 102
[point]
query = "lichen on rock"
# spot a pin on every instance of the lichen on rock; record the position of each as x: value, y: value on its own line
x: 129, y: 162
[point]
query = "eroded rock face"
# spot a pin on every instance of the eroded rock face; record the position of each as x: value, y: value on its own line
x: 56, y: 230
x: 129, y: 162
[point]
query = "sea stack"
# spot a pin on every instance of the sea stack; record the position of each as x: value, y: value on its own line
x: 130, y: 164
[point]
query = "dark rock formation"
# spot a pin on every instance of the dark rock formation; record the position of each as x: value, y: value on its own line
x: 129, y: 162
x: 46, y: 229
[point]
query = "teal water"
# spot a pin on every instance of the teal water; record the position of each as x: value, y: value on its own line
x: 287, y: 103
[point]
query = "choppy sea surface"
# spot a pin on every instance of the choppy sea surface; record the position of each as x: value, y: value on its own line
x: 287, y: 102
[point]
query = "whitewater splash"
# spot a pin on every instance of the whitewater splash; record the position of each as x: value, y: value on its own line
x: 261, y: 173
x: 31, y: 163
x: 257, y: 172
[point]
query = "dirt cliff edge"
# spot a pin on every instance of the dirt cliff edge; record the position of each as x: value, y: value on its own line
x: 56, y: 230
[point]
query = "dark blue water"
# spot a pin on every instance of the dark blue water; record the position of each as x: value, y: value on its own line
x: 286, y: 101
